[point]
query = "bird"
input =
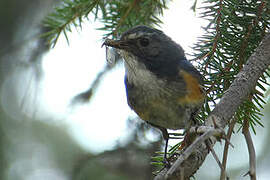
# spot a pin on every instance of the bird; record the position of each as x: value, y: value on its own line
x: 162, y: 86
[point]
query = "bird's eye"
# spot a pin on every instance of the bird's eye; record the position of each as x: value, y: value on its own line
x: 144, y: 42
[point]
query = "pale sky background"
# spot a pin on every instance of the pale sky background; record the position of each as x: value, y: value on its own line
x: 70, y: 69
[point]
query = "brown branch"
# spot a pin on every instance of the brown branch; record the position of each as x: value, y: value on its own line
x: 208, y: 133
x: 216, y: 38
x: 251, y: 150
x: 226, y: 150
x: 87, y: 95
x: 215, y: 156
x: 243, y: 84
x: 123, y: 18
x: 254, y: 23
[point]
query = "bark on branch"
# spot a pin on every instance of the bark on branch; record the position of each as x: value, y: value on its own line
x: 243, y: 84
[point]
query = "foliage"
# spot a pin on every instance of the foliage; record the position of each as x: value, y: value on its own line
x: 235, y: 29
x: 116, y: 15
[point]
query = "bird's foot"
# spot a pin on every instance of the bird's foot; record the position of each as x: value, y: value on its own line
x: 166, y: 163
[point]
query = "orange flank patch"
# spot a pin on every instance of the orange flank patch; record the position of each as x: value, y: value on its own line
x: 194, y: 92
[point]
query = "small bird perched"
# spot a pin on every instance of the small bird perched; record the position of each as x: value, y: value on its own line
x: 162, y: 86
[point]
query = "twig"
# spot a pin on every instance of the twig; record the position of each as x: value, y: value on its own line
x: 213, y: 50
x: 123, y: 18
x: 251, y: 150
x: 189, y: 150
x: 214, y: 155
x: 86, y: 95
x: 226, y: 149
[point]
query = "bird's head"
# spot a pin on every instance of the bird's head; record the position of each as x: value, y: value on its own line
x: 149, y: 47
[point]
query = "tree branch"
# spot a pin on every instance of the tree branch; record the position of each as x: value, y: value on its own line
x: 87, y: 95
x: 226, y: 149
x: 251, y: 151
x: 243, y: 84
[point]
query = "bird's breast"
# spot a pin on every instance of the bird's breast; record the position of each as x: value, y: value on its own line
x: 158, y: 106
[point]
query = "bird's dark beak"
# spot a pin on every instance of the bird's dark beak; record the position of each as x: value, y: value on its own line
x: 119, y: 44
